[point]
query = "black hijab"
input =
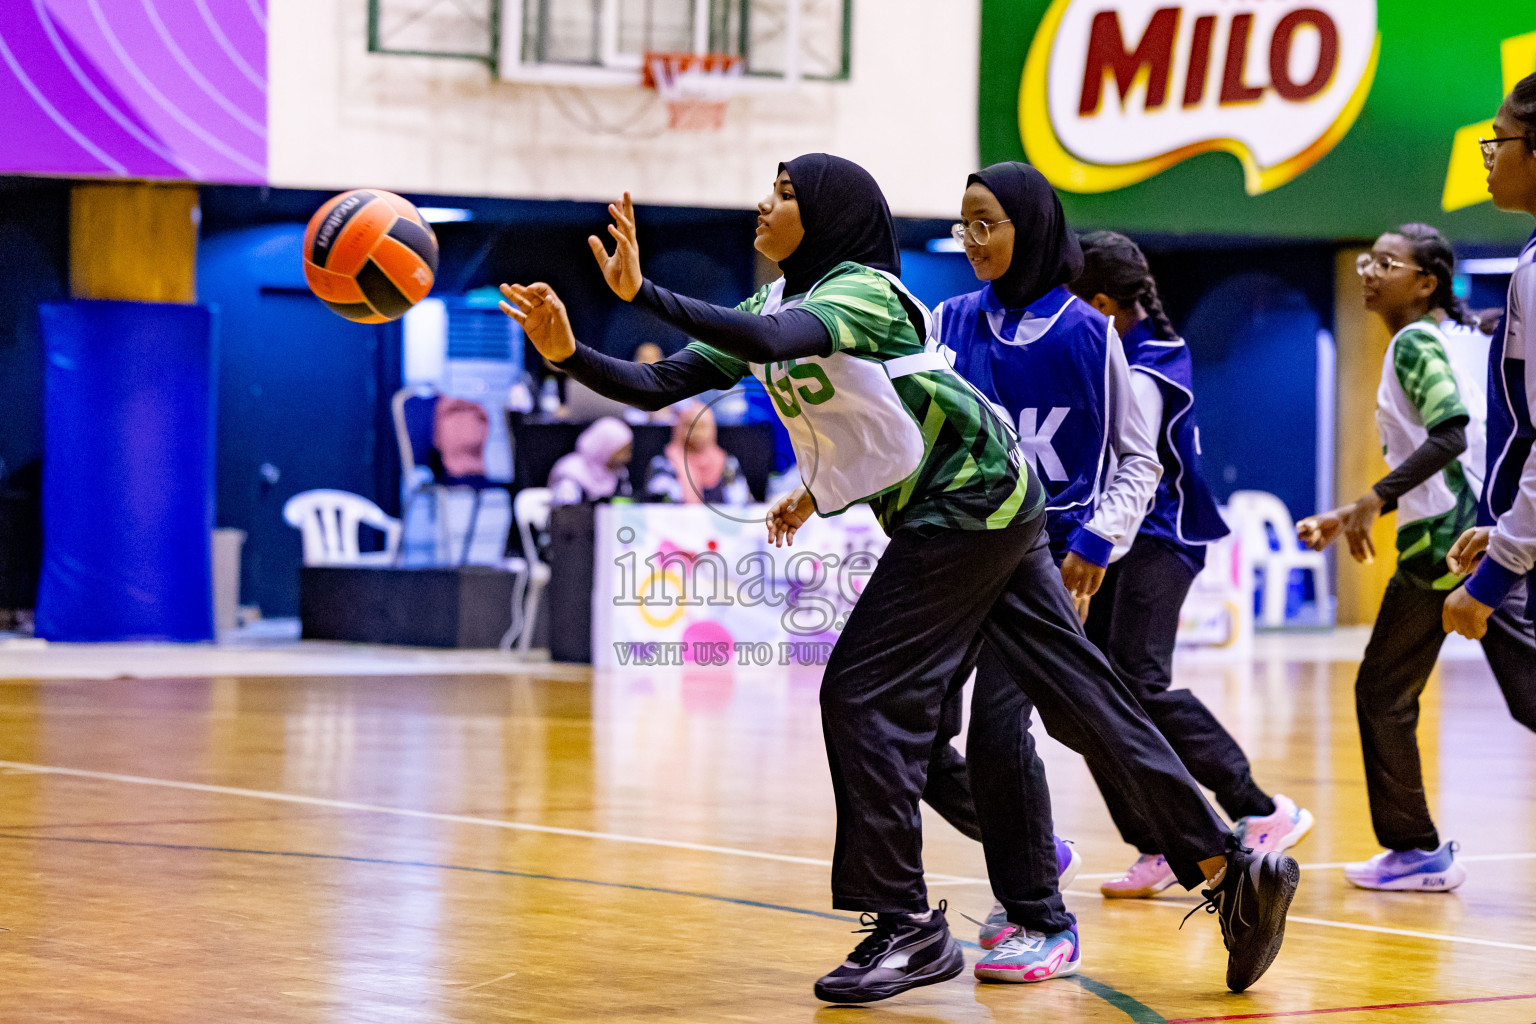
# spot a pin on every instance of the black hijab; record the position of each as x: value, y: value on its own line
x: 1045, y: 251
x: 845, y: 217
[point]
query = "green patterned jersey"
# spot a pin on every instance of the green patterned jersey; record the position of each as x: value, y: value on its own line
x: 970, y: 475
x: 1434, y: 514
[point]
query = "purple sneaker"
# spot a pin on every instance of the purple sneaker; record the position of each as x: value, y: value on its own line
x: 1409, y: 870
x: 997, y: 927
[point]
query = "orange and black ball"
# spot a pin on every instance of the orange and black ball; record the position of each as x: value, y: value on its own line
x: 369, y: 255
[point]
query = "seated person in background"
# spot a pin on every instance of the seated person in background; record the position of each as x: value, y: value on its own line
x: 459, y: 431
x: 648, y: 352
x: 598, y: 470
x: 694, y: 468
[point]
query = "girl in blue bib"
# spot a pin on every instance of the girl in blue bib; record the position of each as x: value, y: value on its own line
x: 1054, y: 365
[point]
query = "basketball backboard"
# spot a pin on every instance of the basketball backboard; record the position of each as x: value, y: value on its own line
x: 604, y: 42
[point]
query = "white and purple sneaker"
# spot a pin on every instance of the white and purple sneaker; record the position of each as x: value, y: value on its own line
x: 997, y: 927
x: 1409, y: 870
x: 1031, y: 956
x: 1275, y: 832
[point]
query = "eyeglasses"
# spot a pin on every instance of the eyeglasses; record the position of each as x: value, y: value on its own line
x: 1490, y: 147
x: 1382, y: 263
x: 980, y: 231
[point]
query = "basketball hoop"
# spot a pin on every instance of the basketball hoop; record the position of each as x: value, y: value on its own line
x: 696, y: 86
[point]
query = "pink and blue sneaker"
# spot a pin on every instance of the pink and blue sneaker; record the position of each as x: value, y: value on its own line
x: 997, y: 927
x: 1031, y: 956
x: 1276, y: 832
x: 1409, y: 870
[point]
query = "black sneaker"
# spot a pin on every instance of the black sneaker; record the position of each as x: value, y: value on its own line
x: 1250, y: 902
x: 899, y: 954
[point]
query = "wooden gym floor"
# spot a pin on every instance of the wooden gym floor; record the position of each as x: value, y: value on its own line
x: 549, y: 847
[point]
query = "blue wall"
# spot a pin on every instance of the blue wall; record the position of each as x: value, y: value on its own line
x: 303, y: 401
x: 34, y: 236
x: 1254, y: 343
x: 934, y: 277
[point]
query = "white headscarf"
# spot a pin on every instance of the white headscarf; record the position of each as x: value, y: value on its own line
x: 587, y: 466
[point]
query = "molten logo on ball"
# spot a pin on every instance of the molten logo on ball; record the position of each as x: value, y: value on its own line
x: 369, y: 255
x: 1115, y: 91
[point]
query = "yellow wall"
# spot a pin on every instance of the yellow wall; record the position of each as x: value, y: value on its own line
x: 1362, y: 345
x: 133, y: 241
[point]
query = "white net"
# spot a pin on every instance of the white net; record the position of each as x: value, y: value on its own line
x: 696, y: 87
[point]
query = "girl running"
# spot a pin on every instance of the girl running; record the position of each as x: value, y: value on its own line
x: 1509, y: 506
x: 1433, y: 486
x: 1052, y: 362
x: 1134, y: 618
x: 839, y: 344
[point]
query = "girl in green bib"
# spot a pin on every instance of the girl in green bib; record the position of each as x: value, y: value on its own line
x: 1434, y: 448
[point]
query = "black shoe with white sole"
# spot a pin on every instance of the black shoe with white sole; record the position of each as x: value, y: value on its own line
x: 1251, y: 901
x: 898, y: 954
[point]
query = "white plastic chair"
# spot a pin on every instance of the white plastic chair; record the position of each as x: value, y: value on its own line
x: 531, y: 511
x: 1252, y: 515
x: 328, y: 521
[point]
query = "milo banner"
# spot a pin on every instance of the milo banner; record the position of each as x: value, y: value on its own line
x: 1283, y: 118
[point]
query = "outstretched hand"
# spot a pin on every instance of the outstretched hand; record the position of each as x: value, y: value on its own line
x: 541, y: 314
x: 621, y: 268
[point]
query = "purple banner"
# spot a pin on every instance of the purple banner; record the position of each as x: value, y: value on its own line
x: 135, y: 88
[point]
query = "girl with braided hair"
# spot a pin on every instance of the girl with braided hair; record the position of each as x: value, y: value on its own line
x: 1134, y: 618
x: 1433, y: 445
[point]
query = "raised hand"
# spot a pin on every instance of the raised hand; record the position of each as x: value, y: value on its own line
x: 621, y: 268
x: 543, y: 318
x: 787, y: 515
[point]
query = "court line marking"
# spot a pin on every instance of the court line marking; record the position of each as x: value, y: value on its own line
x: 1324, y: 922
x: 1351, y: 1009
x: 458, y: 819
x: 1339, y: 865
x: 1137, y: 1011
x: 731, y: 851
